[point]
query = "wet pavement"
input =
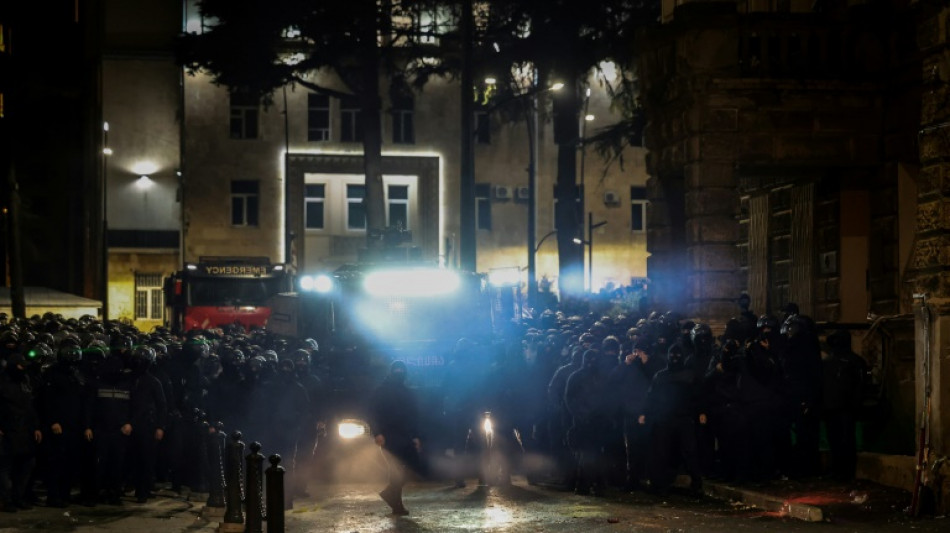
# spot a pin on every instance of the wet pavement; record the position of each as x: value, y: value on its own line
x: 436, y: 507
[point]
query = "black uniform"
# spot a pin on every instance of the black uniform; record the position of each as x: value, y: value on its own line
x: 630, y: 381
x: 844, y: 376
x: 149, y: 418
x: 394, y: 417
x: 111, y: 423
x: 672, y: 405
x: 19, y: 424
x: 588, y: 399
x: 65, y: 404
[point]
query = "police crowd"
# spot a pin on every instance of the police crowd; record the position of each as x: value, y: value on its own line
x: 590, y: 402
x: 92, y: 410
x: 107, y: 409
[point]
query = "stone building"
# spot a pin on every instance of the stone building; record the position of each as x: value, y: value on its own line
x: 228, y: 177
x: 796, y: 152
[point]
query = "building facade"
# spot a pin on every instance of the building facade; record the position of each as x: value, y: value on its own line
x: 234, y: 177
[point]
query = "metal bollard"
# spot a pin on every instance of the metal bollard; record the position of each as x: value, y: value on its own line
x: 216, y: 443
x: 254, y: 500
x: 232, y: 471
x: 275, y: 496
x: 203, y: 429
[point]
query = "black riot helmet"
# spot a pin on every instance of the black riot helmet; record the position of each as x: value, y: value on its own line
x: 142, y: 357
x: 40, y: 353
x: 120, y: 344
x: 195, y: 348
x: 676, y: 358
x: 701, y: 335
x: 301, y: 359
x: 286, y: 366
x: 767, y: 321
x: 69, y: 354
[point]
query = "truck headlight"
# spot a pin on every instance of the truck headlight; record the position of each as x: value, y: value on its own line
x: 352, y: 428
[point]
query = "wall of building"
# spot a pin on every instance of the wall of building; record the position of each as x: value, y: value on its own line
x: 123, y: 266
x: 212, y: 160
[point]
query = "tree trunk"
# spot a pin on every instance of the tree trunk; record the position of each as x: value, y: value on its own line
x: 17, y: 296
x: 567, y: 108
x: 370, y: 108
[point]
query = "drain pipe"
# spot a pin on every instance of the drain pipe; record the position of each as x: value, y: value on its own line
x: 923, y: 444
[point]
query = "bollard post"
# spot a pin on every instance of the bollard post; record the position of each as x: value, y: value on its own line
x: 203, y: 429
x: 254, y: 498
x: 275, y: 496
x: 232, y: 471
x: 216, y: 443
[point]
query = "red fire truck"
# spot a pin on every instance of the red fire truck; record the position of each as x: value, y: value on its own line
x: 218, y: 291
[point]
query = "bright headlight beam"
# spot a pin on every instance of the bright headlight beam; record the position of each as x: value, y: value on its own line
x: 351, y: 430
x: 323, y: 283
x: 419, y: 283
x: 307, y: 283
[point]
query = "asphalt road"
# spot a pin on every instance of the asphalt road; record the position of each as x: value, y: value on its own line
x: 434, y: 507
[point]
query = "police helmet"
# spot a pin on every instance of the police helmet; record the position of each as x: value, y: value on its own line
x: 767, y: 321
x: 143, y: 355
x: 69, y: 354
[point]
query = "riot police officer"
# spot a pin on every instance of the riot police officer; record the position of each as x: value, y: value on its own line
x: 149, y: 418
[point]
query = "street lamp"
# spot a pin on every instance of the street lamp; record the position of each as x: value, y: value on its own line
x: 590, y: 247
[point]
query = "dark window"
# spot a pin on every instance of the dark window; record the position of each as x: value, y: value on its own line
x: 244, y: 202
x: 314, y: 196
x: 244, y: 116
x: 351, y: 127
x: 482, y: 127
x: 638, y: 209
x: 318, y: 117
x: 355, y: 211
x: 398, y: 206
x: 403, y: 120
x: 483, y: 205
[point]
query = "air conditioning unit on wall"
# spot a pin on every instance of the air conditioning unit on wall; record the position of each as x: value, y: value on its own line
x: 611, y: 198
x: 502, y: 192
x: 523, y: 193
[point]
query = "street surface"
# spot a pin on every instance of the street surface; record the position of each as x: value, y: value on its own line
x: 437, y: 508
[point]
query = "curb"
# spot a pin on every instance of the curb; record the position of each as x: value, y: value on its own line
x: 772, y: 504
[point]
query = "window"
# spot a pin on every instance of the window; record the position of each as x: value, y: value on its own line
x: 355, y: 211
x: 318, y: 117
x: 578, y: 204
x: 403, y: 126
x: 638, y: 209
x: 351, y: 127
x: 244, y: 116
x: 313, y: 202
x: 482, y: 128
x: 244, y: 202
x: 398, y: 206
x: 149, y: 302
x: 483, y: 206
x: 432, y: 23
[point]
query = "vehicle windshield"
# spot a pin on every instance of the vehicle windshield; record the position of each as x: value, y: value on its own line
x: 226, y: 292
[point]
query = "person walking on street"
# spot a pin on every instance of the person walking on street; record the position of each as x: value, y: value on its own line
x: 394, y: 422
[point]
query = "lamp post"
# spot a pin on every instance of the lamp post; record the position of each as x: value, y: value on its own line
x: 590, y: 248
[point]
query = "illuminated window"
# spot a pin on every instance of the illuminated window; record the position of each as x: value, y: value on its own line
x: 397, y: 203
x: 403, y: 121
x: 578, y: 204
x: 245, y: 110
x: 149, y: 302
x: 638, y: 209
x: 318, y: 117
x: 432, y: 23
x: 314, y: 196
x: 482, y: 127
x: 245, y: 202
x: 483, y: 206
x: 355, y: 211
x: 351, y: 128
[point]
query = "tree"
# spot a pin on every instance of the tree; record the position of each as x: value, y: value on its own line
x: 257, y: 46
x: 559, y: 41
